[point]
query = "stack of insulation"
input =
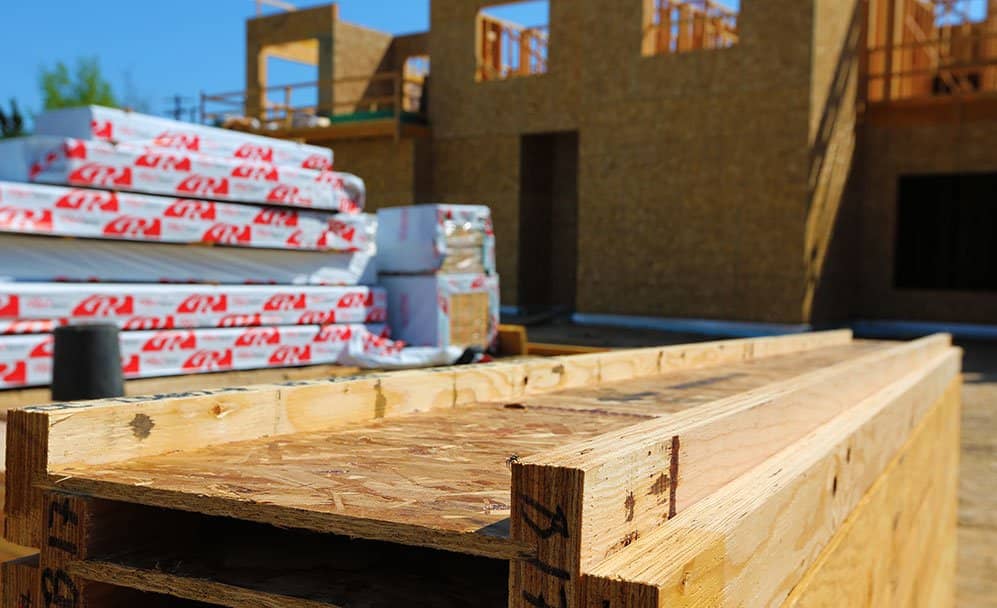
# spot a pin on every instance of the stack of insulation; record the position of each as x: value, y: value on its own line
x: 214, y: 250
x: 437, y: 263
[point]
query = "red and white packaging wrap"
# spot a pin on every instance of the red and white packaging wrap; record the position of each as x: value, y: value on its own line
x: 49, y: 259
x: 81, y: 212
x: 27, y: 360
x: 40, y: 307
x: 419, y: 305
x: 119, y: 126
x: 97, y: 164
x: 419, y: 238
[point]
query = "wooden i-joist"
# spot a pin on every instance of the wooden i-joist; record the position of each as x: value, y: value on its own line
x: 735, y: 473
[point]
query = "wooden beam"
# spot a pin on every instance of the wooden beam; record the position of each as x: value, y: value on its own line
x: 750, y: 542
x: 512, y: 340
x: 19, y: 583
x: 97, y: 432
x: 601, y: 506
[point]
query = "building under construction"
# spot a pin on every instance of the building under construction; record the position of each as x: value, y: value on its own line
x: 789, y: 161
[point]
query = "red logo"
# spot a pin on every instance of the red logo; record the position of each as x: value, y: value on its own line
x: 166, y: 162
x: 10, y: 306
x: 191, y: 210
x: 130, y: 226
x: 277, y: 217
x: 348, y: 205
x: 343, y: 230
x: 16, y: 373
x: 317, y: 161
x: 478, y: 282
x: 245, y: 320
x: 102, y: 129
x: 287, y: 195
x: 228, y: 234
x: 132, y: 366
x: 170, y: 341
x: 334, y: 333
x: 93, y: 174
x: 209, y: 360
x: 138, y: 323
x: 30, y: 326
x: 74, y: 148
x: 202, y: 303
x: 352, y: 300
x: 89, y: 200
x: 317, y: 317
x: 259, y: 336
x: 377, y: 315
x: 258, y: 173
x: 104, y: 306
x: 181, y: 141
x: 204, y: 186
x: 286, y: 301
x: 255, y: 152
x: 43, y: 350
x: 26, y: 219
x: 294, y: 241
x: 330, y: 177
x: 292, y: 355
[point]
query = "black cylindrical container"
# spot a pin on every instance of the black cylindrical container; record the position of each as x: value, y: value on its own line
x: 86, y: 363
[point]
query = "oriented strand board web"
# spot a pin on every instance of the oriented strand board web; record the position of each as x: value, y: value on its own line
x: 469, y: 319
x: 439, y: 478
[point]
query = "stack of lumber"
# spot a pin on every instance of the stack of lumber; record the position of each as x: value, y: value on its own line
x: 142, y: 197
x: 804, y: 471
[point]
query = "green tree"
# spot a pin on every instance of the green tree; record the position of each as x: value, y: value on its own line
x: 85, y: 86
x: 11, y: 125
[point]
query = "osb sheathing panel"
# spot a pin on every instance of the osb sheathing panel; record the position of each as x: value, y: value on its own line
x: 359, y: 51
x: 886, y: 154
x: 386, y: 167
x: 685, y: 160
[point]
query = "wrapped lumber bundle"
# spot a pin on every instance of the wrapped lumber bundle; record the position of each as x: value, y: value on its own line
x: 438, y: 264
x: 790, y: 471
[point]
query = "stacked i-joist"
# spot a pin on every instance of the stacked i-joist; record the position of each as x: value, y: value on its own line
x: 811, y: 470
x: 147, y: 201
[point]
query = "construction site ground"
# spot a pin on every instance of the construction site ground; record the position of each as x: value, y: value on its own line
x: 977, y: 575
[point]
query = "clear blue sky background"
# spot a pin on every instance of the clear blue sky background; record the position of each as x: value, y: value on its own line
x: 151, y: 50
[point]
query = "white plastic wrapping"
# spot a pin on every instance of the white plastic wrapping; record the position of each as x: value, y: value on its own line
x: 119, y: 126
x: 431, y: 238
x: 48, y: 259
x: 420, y: 307
x: 172, y: 172
x: 39, y: 307
x: 82, y: 212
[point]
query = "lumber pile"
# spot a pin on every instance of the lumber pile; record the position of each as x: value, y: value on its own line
x: 805, y: 470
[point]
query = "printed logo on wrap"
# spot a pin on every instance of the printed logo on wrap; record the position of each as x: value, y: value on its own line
x: 149, y: 323
x: 259, y: 173
x: 102, y: 129
x: 164, y: 162
x: 191, y: 210
x: 30, y: 326
x: 334, y: 333
x: 346, y: 232
x: 14, y: 373
x: 132, y: 366
x: 287, y: 218
x: 10, y: 306
x: 89, y: 200
x: 169, y: 341
x: 255, y: 152
x: 130, y: 226
x: 203, y: 303
x: 178, y: 140
x: 94, y: 174
x: 317, y: 161
x: 241, y: 320
x: 44, y: 349
x: 288, y: 195
x: 258, y: 336
x: 104, y: 306
x: 209, y: 360
x: 286, y: 301
x: 228, y: 234
x: 355, y: 299
x: 204, y: 185
x: 33, y: 220
x: 291, y: 355
x: 317, y: 317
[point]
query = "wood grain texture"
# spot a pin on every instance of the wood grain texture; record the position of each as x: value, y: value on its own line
x: 19, y: 583
x: 898, y: 547
x: 111, y: 430
x: 635, y: 480
x: 750, y: 542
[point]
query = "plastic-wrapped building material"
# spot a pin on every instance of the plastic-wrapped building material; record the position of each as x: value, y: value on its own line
x: 39, y: 307
x: 50, y: 259
x: 120, y: 126
x: 436, y: 238
x: 81, y: 212
x: 26, y: 360
x: 443, y: 309
x: 172, y: 172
